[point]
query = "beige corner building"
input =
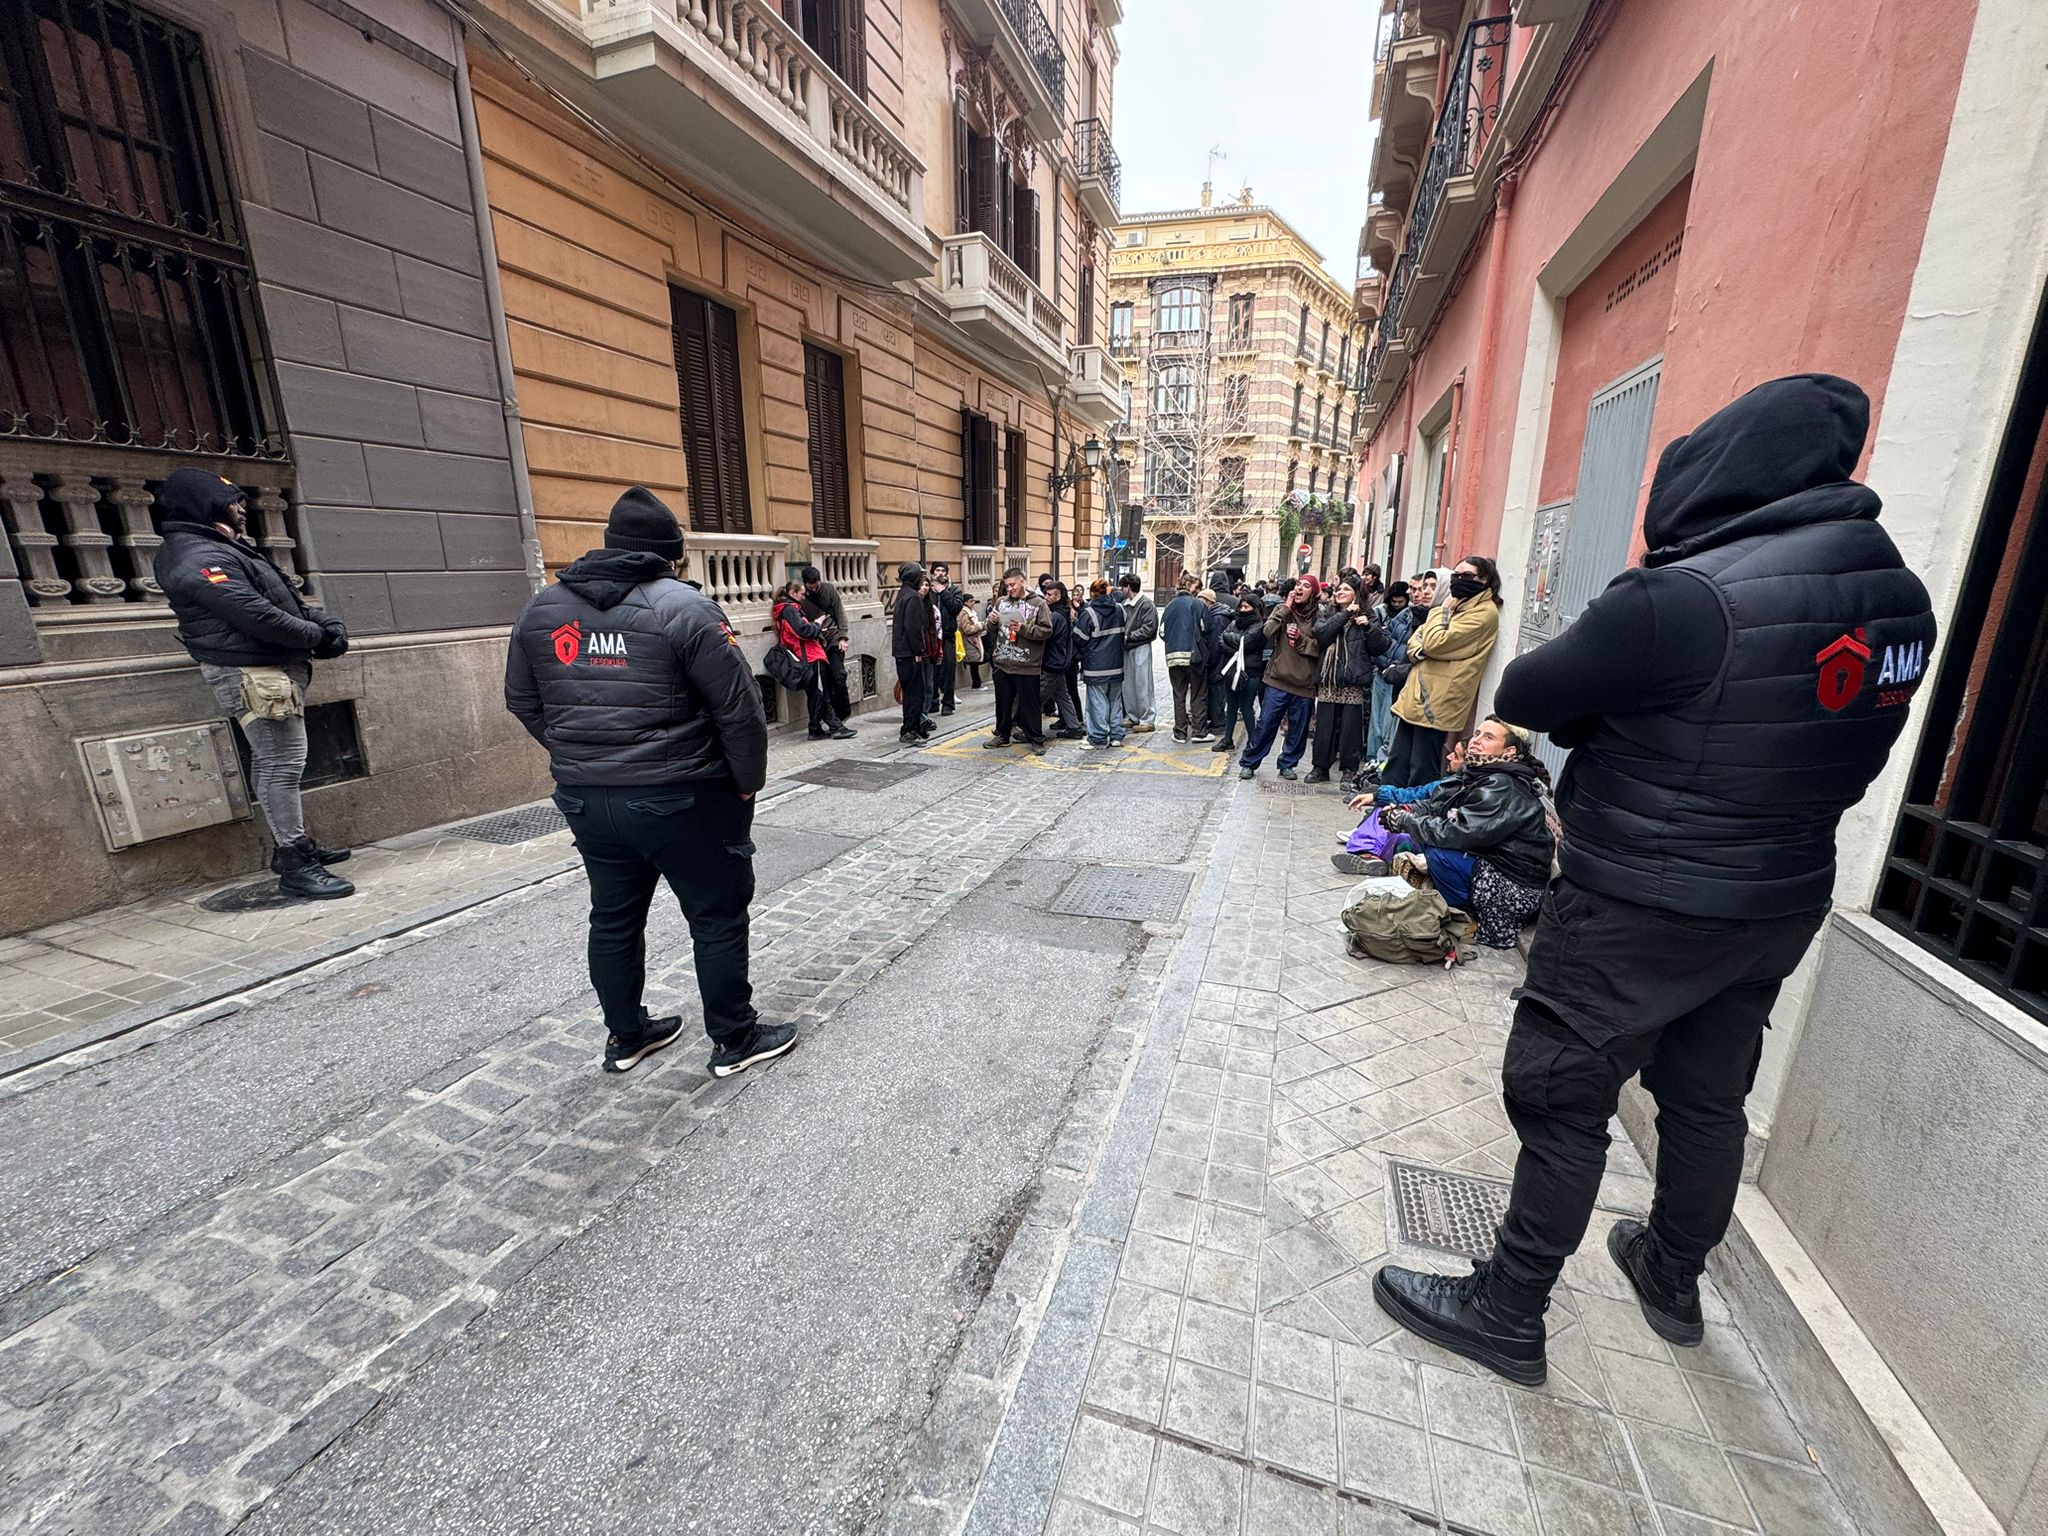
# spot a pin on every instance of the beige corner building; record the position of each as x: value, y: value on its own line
x: 823, y: 273
x: 1239, y: 352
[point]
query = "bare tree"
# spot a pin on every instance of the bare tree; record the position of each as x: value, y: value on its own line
x: 1193, y: 434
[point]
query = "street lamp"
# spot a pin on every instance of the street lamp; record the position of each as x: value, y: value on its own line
x: 1081, y: 463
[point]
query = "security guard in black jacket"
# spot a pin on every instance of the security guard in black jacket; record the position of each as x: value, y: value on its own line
x: 1725, y: 702
x: 658, y: 743
x: 255, y: 640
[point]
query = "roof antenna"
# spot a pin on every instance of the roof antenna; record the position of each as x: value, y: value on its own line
x: 1216, y: 152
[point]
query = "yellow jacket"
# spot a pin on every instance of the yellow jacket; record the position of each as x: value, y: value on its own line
x: 1449, y: 652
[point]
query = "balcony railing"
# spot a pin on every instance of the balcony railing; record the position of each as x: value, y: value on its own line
x: 1095, y: 160
x: 974, y: 269
x: 81, y: 523
x: 1471, y: 107
x: 1041, y: 44
x: 854, y: 567
x: 738, y: 571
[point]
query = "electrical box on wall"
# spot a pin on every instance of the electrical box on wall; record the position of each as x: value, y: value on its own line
x: 159, y: 783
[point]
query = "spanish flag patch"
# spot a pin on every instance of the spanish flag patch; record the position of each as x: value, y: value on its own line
x: 214, y: 574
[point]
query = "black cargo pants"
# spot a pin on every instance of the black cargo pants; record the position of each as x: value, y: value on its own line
x: 1614, y: 989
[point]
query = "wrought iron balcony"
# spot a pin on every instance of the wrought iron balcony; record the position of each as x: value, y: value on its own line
x: 1041, y: 43
x: 1019, y: 34
x: 1097, y: 169
x: 1471, y: 107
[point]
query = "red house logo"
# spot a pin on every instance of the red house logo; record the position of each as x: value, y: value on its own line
x: 569, y: 644
x: 1841, y: 671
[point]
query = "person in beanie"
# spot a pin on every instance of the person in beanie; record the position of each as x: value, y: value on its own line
x: 658, y: 743
x: 909, y: 641
x: 255, y: 640
x: 1725, y: 702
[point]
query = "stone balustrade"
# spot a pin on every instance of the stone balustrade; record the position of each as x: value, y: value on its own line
x: 853, y: 566
x: 739, y: 572
x: 83, y: 519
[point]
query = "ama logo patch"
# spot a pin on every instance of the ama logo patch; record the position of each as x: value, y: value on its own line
x: 568, y: 643
x: 1842, y: 663
x: 595, y: 648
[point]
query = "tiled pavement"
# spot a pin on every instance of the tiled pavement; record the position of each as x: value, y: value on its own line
x: 110, y: 971
x: 1214, y: 1360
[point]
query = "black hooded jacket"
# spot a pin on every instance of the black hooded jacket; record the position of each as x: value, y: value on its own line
x: 1732, y: 697
x: 629, y: 677
x: 234, y: 608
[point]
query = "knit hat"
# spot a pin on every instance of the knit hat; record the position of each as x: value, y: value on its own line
x: 640, y: 521
x: 196, y: 496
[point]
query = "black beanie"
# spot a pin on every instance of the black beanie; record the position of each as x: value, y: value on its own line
x: 640, y: 521
x: 196, y: 496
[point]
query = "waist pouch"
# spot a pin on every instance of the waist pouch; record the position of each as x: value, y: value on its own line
x: 268, y: 693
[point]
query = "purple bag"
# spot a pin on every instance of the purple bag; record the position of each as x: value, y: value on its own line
x: 1375, y: 841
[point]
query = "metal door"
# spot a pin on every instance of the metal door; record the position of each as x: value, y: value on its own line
x: 1582, y: 544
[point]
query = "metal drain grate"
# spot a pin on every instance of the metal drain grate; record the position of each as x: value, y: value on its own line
x: 859, y: 774
x: 1445, y: 1211
x: 1132, y: 895
x: 509, y: 827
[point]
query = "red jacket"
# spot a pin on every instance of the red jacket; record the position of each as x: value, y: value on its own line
x: 797, y: 633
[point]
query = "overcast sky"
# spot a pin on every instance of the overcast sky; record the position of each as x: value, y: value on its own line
x: 1283, y: 87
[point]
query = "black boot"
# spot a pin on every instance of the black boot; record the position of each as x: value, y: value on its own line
x: 331, y: 855
x: 300, y: 873
x: 1454, y: 1311
x: 1316, y: 776
x: 1670, y: 1301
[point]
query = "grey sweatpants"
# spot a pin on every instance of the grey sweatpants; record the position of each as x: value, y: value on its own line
x: 277, y: 750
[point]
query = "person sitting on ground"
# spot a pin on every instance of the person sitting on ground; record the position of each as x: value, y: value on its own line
x: 806, y: 639
x: 1484, y: 838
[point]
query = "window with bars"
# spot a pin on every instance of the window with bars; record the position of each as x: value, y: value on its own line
x: 1241, y: 319
x: 1301, y: 335
x: 1173, y: 390
x: 1170, y: 470
x: 1967, y: 872
x: 825, y: 406
x: 1237, y: 399
x: 1294, y: 424
x: 127, y: 305
x: 1119, y: 327
x: 707, y: 351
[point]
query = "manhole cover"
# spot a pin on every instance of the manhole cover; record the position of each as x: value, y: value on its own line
x: 508, y: 827
x: 256, y: 896
x: 858, y: 773
x: 1449, y: 1212
x: 1133, y: 895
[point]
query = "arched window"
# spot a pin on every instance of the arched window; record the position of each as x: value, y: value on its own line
x: 1180, y: 310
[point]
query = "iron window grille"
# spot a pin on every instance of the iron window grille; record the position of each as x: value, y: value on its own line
x: 1967, y: 872
x: 1095, y: 156
x: 127, y: 304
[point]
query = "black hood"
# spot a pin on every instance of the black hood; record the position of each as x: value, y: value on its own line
x: 909, y: 574
x: 196, y: 496
x: 603, y: 577
x: 1778, y: 457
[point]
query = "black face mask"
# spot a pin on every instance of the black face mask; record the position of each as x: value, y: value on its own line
x: 1464, y: 588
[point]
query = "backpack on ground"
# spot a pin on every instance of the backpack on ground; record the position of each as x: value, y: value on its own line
x: 1389, y: 919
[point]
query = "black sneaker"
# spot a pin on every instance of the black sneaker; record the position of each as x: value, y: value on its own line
x: 1286, y: 773
x: 844, y: 733
x: 995, y: 743
x: 1357, y: 864
x: 766, y: 1043
x: 1247, y: 773
x: 1317, y: 776
x: 622, y: 1053
x: 946, y: 709
x: 910, y: 738
x: 1180, y: 735
x: 1453, y: 1311
x: 330, y: 855
x: 1670, y: 1305
x: 1225, y: 745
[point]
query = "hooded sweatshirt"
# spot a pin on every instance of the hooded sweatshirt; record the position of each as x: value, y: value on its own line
x: 1733, y: 696
x: 630, y: 677
x: 911, y: 620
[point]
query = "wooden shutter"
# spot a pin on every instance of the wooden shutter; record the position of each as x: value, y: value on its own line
x: 853, y: 45
x: 963, y: 173
x: 705, y: 335
x: 988, y: 187
x: 825, y: 404
x: 1084, y: 307
x: 1013, y: 485
x: 1027, y: 232
x: 977, y: 478
x: 1006, y: 208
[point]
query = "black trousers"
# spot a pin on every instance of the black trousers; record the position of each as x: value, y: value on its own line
x: 947, y: 673
x: 818, y: 699
x: 1415, y: 756
x: 1339, y: 726
x: 1018, y: 709
x: 1614, y: 989
x: 911, y: 672
x: 835, y: 683
x: 699, y: 838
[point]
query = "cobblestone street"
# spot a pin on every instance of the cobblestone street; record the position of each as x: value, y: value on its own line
x: 1103, y: 1194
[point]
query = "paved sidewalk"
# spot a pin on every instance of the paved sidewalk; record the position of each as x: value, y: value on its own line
x: 1208, y: 1359
x: 113, y: 971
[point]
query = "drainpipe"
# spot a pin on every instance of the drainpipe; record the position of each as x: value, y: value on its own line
x: 1454, y: 460
x: 494, y: 301
x: 1489, y: 342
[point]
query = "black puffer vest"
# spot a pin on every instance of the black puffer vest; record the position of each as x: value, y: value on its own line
x: 1727, y: 806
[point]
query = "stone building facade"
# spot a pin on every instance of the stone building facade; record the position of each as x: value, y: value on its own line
x: 292, y: 293
x: 1239, y: 351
